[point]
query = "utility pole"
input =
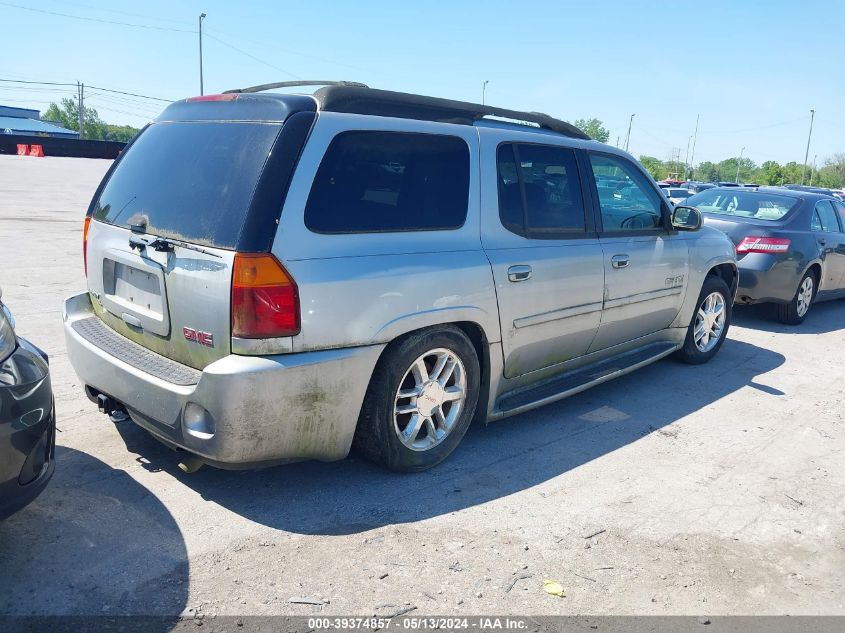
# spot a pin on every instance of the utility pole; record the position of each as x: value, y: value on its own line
x: 694, y: 139
x: 807, y: 153
x: 736, y: 180
x: 686, y: 158
x: 80, y: 88
x: 628, y: 136
x: 813, y: 170
x: 617, y: 140
x: 202, y: 15
x: 484, y: 90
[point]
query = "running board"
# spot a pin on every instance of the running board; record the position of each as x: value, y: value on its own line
x: 581, y: 379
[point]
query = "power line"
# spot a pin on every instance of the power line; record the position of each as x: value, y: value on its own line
x: 133, y: 94
x: 56, y: 83
x: 134, y: 15
x: 89, y: 19
x: 43, y: 83
x: 251, y: 56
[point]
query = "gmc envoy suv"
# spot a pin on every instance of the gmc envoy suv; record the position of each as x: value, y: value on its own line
x: 278, y: 277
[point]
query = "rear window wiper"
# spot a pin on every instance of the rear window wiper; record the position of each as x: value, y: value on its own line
x: 165, y: 245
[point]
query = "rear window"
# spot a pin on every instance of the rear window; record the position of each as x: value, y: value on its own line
x: 746, y: 204
x: 390, y: 181
x: 192, y: 181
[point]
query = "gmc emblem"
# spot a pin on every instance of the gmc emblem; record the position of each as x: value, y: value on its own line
x: 195, y: 336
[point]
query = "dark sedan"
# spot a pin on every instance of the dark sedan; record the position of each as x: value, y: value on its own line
x: 27, y: 419
x: 790, y: 245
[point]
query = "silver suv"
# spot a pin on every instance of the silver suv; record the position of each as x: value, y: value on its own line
x: 277, y: 277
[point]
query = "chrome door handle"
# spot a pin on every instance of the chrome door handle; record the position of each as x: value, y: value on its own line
x: 620, y: 261
x: 519, y: 273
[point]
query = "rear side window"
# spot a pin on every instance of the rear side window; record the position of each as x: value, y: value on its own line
x: 192, y: 181
x: 388, y: 182
x: 824, y: 218
x: 539, y: 190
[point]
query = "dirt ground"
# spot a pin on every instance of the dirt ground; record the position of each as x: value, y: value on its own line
x: 676, y: 490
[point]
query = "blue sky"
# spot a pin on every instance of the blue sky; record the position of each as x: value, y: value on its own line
x: 751, y: 69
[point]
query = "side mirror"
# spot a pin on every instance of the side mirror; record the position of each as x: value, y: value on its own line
x: 686, y: 218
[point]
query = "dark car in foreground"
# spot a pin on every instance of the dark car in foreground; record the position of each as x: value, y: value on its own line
x: 27, y: 419
x: 790, y: 245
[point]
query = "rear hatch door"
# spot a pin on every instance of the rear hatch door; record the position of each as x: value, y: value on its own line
x: 164, y: 230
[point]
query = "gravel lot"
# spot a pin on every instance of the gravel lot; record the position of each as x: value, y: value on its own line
x: 676, y: 490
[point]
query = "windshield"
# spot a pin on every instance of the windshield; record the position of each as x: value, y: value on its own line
x: 191, y: 181
x: 678, y: 193
x: 746, y: 204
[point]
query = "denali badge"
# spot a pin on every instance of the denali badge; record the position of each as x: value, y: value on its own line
x: 203, y: 338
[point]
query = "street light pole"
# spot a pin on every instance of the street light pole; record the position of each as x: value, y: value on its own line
x: 694, y: 140
x: 628, y: 136
x: 736, y: 180
x: 202, y: 15
x: 807, y: 153
x: 484, y: 90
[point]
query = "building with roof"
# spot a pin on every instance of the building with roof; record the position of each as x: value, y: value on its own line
x: 26, y: 122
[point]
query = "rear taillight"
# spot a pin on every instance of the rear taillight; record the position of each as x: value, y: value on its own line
x: 85, y: 243
x: 265, y: 299
x: 754, y: 244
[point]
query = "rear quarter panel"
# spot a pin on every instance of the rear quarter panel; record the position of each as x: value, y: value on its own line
x: 366, y: 288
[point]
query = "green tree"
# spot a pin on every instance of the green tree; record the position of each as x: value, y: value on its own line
x: 770, y: 173
x: 653, y: 165
x: 67, y: 115
x: 593, y: 128
x: 707, y: 171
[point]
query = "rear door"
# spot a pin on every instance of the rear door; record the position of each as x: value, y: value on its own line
x: 646, y: 267
x: 544, y: 253
x: 827, y: 230
x: 164, y: 229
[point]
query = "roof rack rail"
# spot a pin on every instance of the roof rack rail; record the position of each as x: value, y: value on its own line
x: 295, y: 84
x: 356, y: 99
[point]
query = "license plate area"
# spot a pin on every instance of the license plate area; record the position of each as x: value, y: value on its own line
x: 134, y: 290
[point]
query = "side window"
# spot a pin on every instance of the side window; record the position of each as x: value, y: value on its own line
x: 824, y: 218
x: 840, y: 209
x: 628, y: 202
x: 388, y: 182
x: 539, y: 190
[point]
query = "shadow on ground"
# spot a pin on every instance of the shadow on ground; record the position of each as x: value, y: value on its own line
x: 94, y: 543
x: 827, y: 316
x: 492, y: 462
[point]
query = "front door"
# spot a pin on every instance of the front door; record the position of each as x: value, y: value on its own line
x: 646, y: 265
x: 544, y: 253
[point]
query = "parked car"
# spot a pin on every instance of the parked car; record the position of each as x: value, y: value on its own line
x: 281, y: 277
x: 27, y: 419
x: 790, y: 245
x: 698, y: 187
x: 677, y: 195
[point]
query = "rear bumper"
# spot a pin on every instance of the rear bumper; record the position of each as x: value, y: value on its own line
x: 766, y: 278
x: 27, y: 428
x: 264, y: 409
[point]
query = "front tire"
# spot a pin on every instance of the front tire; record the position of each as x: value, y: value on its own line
x: 420, y: 401
x: 796, y: 311
x: 710, y: 322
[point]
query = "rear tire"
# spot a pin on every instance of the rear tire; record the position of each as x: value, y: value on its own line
x: 794, y: 312
x: 420, y: 401
x: 710, y: 322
